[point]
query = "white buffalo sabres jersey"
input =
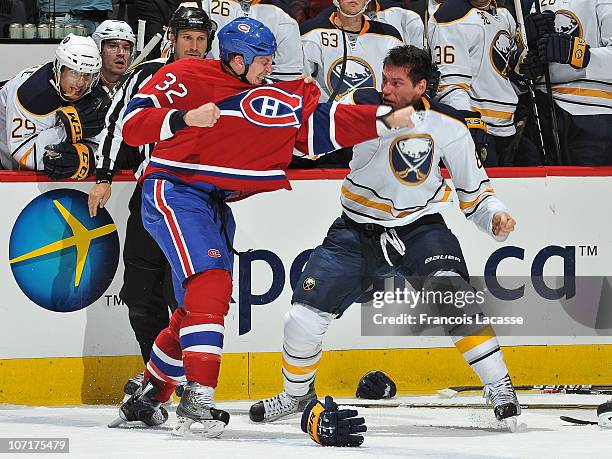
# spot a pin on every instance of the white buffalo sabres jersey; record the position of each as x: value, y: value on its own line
x: 472, y: 48
x: 323, y: 46
x: 28, y: 123
x: 586, y: 91
x: 395, y: 179
x: 288, y: 61
x: 407, y: 22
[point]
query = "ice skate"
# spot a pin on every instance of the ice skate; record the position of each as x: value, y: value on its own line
x: 279, y: 406
x: 132, y: 385
x: 142, y: 406
x: 197, y: 413
x: 506, y: 406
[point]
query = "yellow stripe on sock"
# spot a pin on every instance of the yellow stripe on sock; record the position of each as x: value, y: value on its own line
x: 470, y: 342
x: 295, y: 370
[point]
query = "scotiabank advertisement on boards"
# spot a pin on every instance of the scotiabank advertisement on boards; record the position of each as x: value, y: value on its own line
x: 62, y: 271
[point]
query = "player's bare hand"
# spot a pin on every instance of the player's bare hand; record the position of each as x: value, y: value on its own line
x: 204, y: 116
x: 98, y: 197
x: 307, y: 78
x: 401, y: 118
x: 503, y: 224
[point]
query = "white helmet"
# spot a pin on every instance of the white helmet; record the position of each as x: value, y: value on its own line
x: 77, y: 53
x: 114, y: 30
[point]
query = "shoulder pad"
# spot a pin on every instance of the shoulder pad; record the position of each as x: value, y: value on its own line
x: 452, y: 10
x: 382, y: 28
x: 321, y: 21
x: 446, y: 110
x: 36, y: 95
x: 366, y: 96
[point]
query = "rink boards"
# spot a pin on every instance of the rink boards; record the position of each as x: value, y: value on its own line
x: 85, y: 355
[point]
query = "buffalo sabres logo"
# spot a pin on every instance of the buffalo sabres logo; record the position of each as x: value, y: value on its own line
x: 567, y: 22
x: 309, y: 284
x: 500, y: 52
x: 358, y: 74
x: 272, y: 107
x: 411, y: 158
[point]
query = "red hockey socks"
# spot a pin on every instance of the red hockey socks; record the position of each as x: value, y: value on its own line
x: 207, y: 300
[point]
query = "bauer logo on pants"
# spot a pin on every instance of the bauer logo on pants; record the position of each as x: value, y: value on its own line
x: 61, y: 258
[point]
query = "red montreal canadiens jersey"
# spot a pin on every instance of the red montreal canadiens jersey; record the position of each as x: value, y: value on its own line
x: 252, y: 142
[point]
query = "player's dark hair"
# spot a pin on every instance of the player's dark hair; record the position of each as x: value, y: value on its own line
x: 415, y: 61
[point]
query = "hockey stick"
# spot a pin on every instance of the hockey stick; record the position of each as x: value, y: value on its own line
x: 550, y: 389
x: 578, y: 421
x: 336, y: 90
x: 530, y: 85
x: 551, y: 100
x: 478, y: 406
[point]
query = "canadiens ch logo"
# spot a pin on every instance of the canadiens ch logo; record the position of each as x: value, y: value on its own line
x: 62, y: 259
x: 500, y: 52
x: 358, y: 74
x: 309, y: 284
x: 272, y: 107
x: 567, y: 22
x: 411, y: 158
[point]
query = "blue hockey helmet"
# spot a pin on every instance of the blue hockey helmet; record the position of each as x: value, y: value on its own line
x: 247, y: 37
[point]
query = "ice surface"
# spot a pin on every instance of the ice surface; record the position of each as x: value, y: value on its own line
x: 392, y: 433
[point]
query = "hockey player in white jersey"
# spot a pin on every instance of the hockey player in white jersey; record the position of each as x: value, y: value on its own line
x: 473, y: 44
x: 390, y: 226
x: 344, y: 50
x: 39, y: 108
x: 574, y: 39
x: 288, y: 61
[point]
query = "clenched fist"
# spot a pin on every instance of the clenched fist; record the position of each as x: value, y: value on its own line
x: 204, y: 116
x: 503, y: 224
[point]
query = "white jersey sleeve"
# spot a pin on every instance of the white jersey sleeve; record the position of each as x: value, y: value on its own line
x: 476, y: 195
x: 601, y: 56
x: 28, y: 119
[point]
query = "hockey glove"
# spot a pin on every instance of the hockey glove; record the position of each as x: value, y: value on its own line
x: 478, y: 130
x: 537, y: 25
x: 375, y: 385
x: 84, y: 119
x: 564, y: 49
x: 531, y: 68
x: 67, y: 161
x: 329, y: 426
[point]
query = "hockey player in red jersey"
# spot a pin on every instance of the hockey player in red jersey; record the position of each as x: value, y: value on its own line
x: 223, y: 132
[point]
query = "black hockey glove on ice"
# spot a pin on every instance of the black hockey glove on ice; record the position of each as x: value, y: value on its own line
x: 329, y: 426
x: 67, y: 161
x: 375, y: 385
x: 564, y: 49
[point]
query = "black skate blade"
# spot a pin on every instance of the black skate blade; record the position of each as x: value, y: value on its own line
x: 580, y: 422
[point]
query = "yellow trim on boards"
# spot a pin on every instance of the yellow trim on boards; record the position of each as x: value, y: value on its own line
x: 100, y: 380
